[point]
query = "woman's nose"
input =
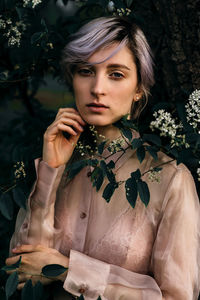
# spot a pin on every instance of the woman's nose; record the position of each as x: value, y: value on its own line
x: 98, y: 86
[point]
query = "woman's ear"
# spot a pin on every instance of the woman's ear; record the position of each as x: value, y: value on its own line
x: 138, y: 95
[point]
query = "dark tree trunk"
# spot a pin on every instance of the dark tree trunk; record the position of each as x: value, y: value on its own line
x: 173, y: 28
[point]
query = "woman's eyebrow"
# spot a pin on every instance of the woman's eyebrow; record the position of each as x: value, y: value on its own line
x: 117, y: 66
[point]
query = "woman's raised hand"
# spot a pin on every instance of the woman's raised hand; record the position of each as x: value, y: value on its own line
x: 57, y: 149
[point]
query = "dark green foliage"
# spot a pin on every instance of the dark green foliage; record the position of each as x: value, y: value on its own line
x: 141, y: 153
x: 101, y: 147
x: 136, y: 143
x: 11, y: 284
x: 27, y: 292
x: 143, y: 191
x: 108, y: 191
x: 53, y: 270
x: 12, y: 267
x: 131, y: 191
x: 153, y: 151
x: 6, y: 206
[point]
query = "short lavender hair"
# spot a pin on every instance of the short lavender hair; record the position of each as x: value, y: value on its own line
x: 102, y: 32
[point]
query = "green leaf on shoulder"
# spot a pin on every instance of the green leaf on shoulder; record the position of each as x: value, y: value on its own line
x: 53, y: 270
x: 136, y: 143
x: 108, y: 191
x: 137, y: 174
x: 143, y: 192
x: 140, y: 153
x: 131, y: 191
x: 76, y: 167
x: 101, y: 147
x: 153, y: 152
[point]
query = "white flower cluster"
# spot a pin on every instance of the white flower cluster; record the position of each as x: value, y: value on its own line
x: 13, y: 32
x: 87, y: 149
x: 116, y: 145
x: 122, y: 12
x: 19, y: 170
x: 193, y: 109
x: 166, y: 124
x: 33, y: 3
x: 154, y: 175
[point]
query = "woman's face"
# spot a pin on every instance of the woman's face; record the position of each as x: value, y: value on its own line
x: 104, y: 92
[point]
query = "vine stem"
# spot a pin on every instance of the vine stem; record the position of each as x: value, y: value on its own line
x: 165, y: 163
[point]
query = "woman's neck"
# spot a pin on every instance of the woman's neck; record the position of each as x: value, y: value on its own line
x: 110, y: 132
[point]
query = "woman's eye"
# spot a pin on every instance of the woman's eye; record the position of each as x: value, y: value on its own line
x: 85, y: 72
x: 116, y: 75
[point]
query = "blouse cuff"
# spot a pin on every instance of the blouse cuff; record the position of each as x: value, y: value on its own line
x: 48, y: 179
x: 86, y: 275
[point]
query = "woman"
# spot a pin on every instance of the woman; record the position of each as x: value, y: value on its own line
x: 110, y: 249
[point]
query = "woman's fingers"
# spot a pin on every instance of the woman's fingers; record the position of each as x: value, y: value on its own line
x: 21, y: 285
x: 12, y: 260
x: 70, y: 114
x: 63, y: 124
x: 27, y: 248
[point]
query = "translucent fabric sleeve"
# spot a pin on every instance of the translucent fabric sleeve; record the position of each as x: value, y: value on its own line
x: 174, y: 262
x: 35, y: 225
x: 176, y: 254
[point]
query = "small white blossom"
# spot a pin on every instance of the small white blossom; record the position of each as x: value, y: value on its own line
x: 33, y: 3
x: 165, y: 123
x: 122, y: 12
x: 12, y: 31
x: 19, y: 170
x: 116, y: 145
x: 154, y: 175
x: 193, y: 109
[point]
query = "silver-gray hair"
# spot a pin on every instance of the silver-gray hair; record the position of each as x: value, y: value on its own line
x: 102, y: 32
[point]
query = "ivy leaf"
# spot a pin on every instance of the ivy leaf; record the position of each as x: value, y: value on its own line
x: 131, y: 191
x: 38, y: 291
x: 143, y: 192
x: 27, y: 291
x: 111, y: 164
x: 127, y: 133
x: 81, y: 297
x: 152, y: 138
x: 99, y: 180
x: 36, y: 37
x: 101, y: 147
x: 153, y: 152
x: 92, y: 162
x: 19, y: 197
x: 141, y: 153
x: 129, y: 3
x: 53, y: 270
x: 136, y: 174
x: 76, y: 167
x: 97, y: 177
x: 11, y: 284
x: 13, y: 266
x: 6, y: 206
x: 107, y: 170
x: 108, y: 191
x: 136, y: 143
x: 111, y: 176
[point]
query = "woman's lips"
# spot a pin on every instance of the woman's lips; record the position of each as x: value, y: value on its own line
x: 97, y: 107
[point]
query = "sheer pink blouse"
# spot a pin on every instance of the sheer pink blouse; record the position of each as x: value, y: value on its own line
x: 115, y: 251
